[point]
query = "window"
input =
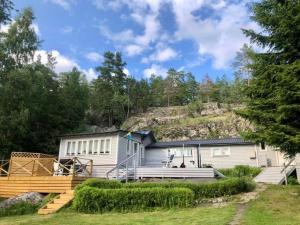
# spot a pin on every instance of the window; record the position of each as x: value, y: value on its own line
x: 263, y: 146
x: 73, y: 148
x: 107, y: 146
x: 142, y: 152
x: 69, y: 148
x: 225, y: 151
x: 90, y: 147
x: 102, y: 144
x: 179, y: 152
x: 95, y: 147
x: 79, y: 147
x: 84, y: 147
x: 135, y: 147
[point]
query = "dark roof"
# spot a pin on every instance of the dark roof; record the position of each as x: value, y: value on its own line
x: 98, y: 133
x: 147, y: 133
x: 203, y: 142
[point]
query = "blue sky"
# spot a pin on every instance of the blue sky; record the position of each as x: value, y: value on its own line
x: 198, y: 36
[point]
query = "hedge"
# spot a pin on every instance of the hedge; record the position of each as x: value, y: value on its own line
x: 220, y: 188
x: 100, y: 183
x: 241, y: 171
x: 93, y: 200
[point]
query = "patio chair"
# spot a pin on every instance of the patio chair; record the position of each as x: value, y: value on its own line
x: 167, y: 163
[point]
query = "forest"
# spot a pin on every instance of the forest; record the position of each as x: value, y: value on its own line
x: 37, y: 104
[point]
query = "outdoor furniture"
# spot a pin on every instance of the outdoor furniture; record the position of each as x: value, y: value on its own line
x: 167, y: 163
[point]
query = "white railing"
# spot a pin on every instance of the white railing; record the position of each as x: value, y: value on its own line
x: 126, y: 168
x: 285, y: 166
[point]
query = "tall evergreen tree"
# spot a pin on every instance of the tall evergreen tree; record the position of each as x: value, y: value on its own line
x: 273, y: 93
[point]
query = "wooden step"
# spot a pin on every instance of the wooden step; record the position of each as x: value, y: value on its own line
x: 57, y: 203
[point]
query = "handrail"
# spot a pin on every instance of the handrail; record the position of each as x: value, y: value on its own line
x: 287, y: 165
x: 119, y: 164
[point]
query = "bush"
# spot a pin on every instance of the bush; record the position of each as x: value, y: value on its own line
x: 100, y: 183
x: 241, y: 171
x: 292, y: 181
x: 219, y: 188
x: 20, y: 208
x: 92, y: 200
x: 205, y: 190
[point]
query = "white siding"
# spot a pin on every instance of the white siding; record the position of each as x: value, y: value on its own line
x: 98, y: 158
x: 154, y: 157
x: 238, y: 155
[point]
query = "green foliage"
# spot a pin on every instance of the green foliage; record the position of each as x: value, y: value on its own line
x: 92, y: 200
x: 241, y: 171
x: 20, y: 208
x: 99, y: 183
x: 195, y: 107
x: 292, y: 181
x: 219, y: 188
x: 273, y: 93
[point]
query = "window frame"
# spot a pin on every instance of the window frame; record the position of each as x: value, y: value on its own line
x: 221, y: 149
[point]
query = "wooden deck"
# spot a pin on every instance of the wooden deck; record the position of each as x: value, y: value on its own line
x: 12, y: 186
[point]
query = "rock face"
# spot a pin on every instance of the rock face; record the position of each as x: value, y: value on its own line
x: 30, y: 197
x: 178, y: 123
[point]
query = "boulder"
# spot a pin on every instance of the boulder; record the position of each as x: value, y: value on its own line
x: 30, y: 197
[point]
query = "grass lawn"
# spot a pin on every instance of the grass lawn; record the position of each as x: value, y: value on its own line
x: 278, y: 205
x: 200, y: 215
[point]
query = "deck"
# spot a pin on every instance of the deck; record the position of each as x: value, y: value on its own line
x: 12, y: 186
x: 35, y: 172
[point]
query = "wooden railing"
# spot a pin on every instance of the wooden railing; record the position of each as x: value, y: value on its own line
x: 285, y: 166
x: 4, y: 166
x: 75, y: 167
x: 46, y: 167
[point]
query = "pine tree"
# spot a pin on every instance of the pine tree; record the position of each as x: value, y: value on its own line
x: 273, y: 105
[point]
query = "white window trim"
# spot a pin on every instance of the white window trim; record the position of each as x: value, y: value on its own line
x: 105, y: 144
x: 263, y: 150
x: 220, y: 148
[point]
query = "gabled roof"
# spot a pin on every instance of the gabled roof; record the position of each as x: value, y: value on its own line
x: 203, y: 142
x: 88, y: 134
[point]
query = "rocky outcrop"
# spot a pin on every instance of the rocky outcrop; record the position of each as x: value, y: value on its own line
x: 30, y: 197
x: 178, y: 123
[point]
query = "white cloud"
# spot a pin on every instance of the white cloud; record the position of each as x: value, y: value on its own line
x: 155, y: 69
x: 132, y: 50
x: 221, y: 37
x: 161, y: 55
x: 33, y: 26
x: 126, y: 71
x: 64, y: 63
x: 94, y: 56
x: 65, y: 4
x: 145, y: 13
x: 67, y: 29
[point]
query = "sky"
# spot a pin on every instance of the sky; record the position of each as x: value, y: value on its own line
x: 198, y: 36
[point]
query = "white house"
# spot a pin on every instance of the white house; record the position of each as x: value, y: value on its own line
x: 115, y: 150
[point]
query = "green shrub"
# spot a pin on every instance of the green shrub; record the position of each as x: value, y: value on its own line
x: 20, y: 208
x: 292, y: 181
x: 92, y: 200
x: 205, y: 190
x: 100, y: 183
x: 241, y: 171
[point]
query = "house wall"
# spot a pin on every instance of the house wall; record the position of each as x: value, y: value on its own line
x: 251, y: 155
x: 155, y: 156
x: 101, y: 162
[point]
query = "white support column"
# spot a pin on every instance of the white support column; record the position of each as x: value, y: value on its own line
x: 297, y: 161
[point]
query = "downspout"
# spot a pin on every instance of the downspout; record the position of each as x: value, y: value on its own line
x: 198, y: 156
x: 256, y: 152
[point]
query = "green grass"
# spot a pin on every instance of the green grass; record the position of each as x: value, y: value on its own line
x: 200, y: 215
x: 278, y: 205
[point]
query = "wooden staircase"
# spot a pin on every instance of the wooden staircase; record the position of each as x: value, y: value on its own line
x: 57, y: 203
x: 273, y: 175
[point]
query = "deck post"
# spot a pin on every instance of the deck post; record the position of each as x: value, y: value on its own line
x: 91, y: 169
x: 126, y: 171
x: 33, y: 167
x: 285, y: 176
x: 134, y: 172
